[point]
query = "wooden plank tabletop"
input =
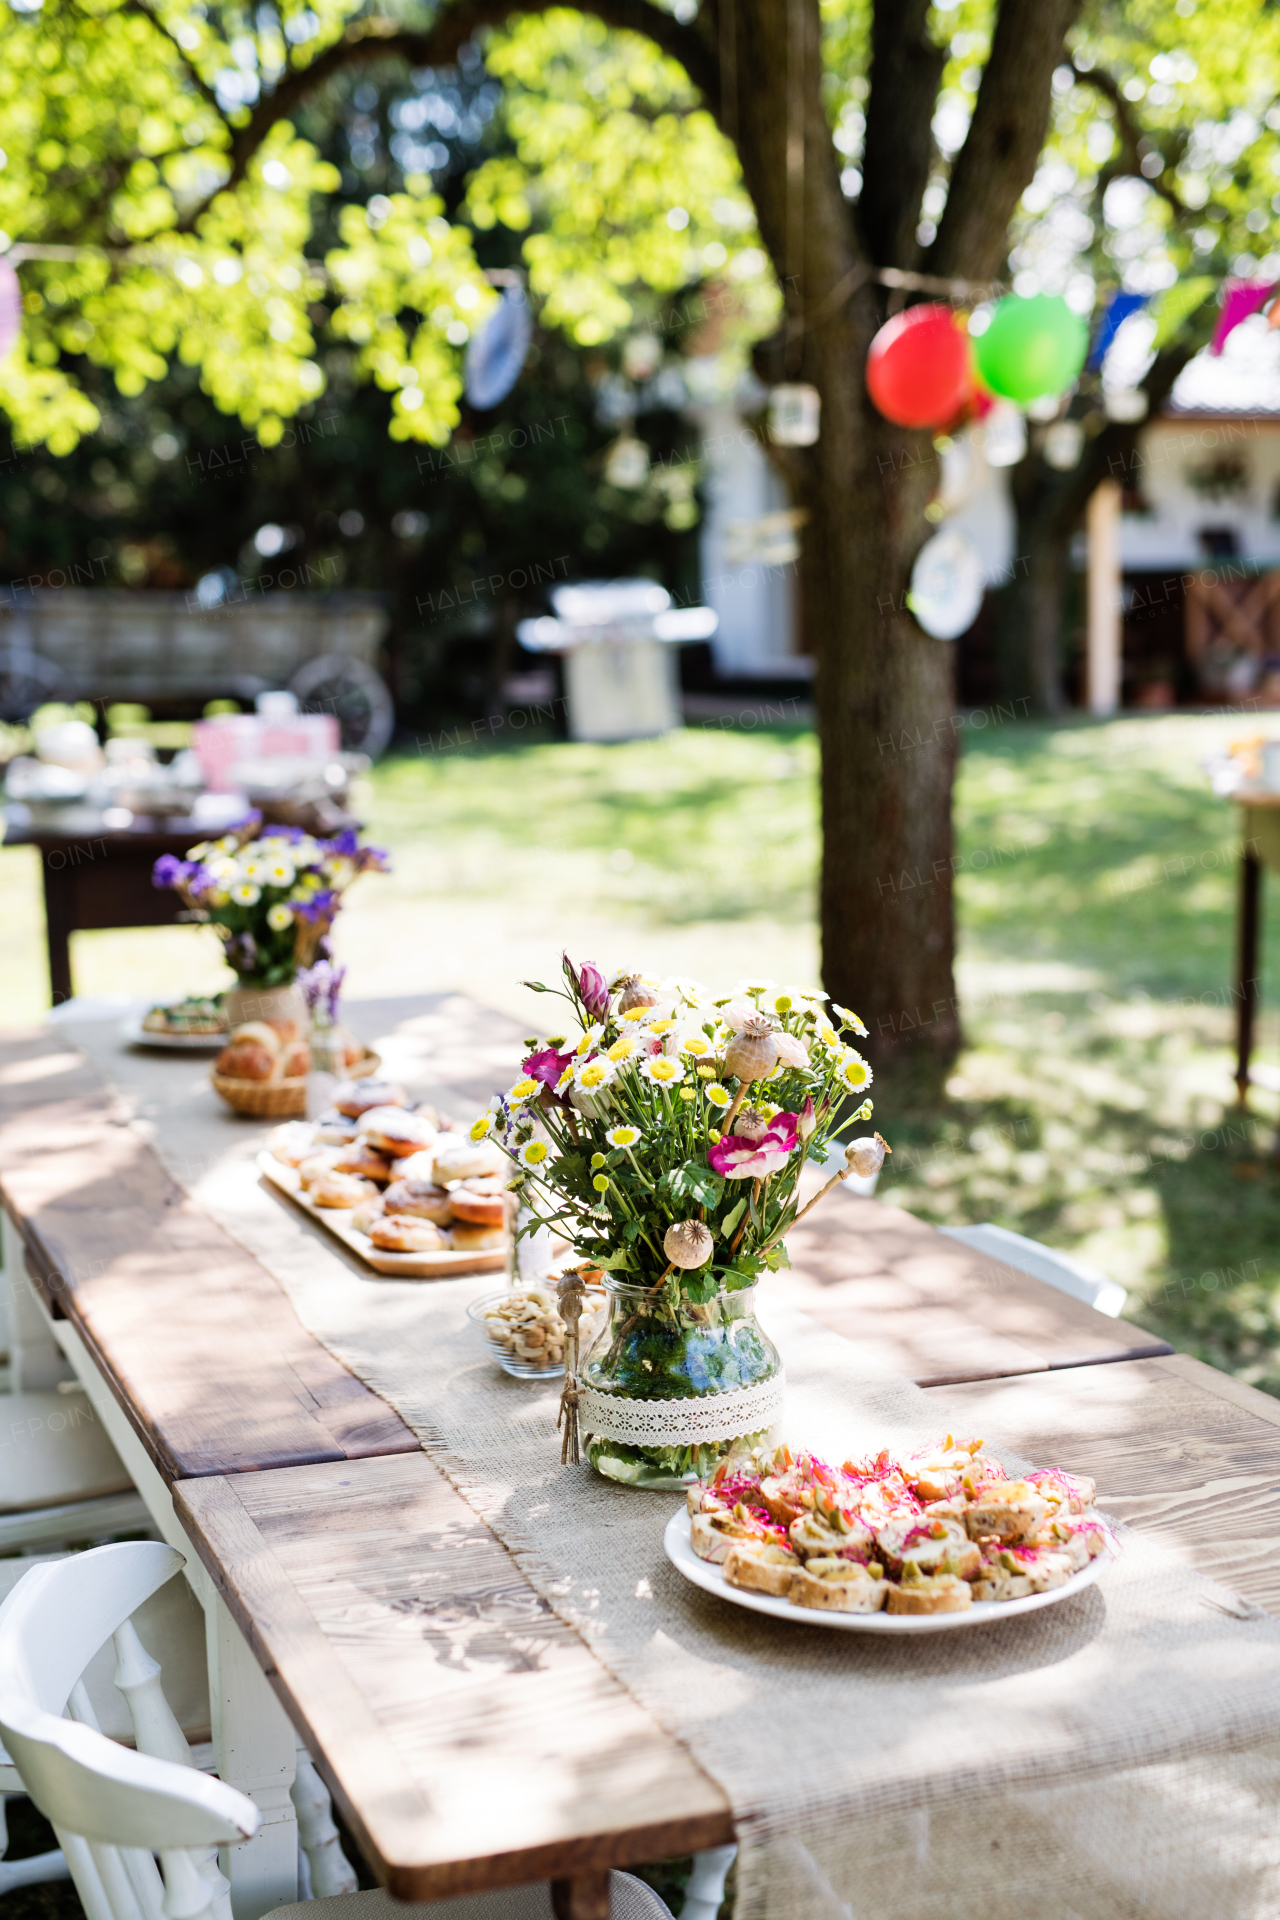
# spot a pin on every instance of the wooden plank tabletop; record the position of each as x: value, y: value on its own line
x: 1177, y: 1449
x: 196, y: 1339
x: 468, y: 1735
x: 936, y: 1310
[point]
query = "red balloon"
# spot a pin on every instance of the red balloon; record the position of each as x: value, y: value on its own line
x: 919, y: 369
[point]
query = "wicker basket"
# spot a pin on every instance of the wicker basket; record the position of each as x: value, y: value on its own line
x: 279, y: 1099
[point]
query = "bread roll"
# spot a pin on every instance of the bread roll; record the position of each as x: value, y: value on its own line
x: 397, y: 1233
x: 247, y: 1060
x: 463, y: 1160
x: 469, y: 1239
x: 422, y: 1199
x: 834, y: 1585
x: 355, y: 1097
x: 361, y: 1160
x: 760, y: 1569
x: 285, y: 1030
x: 292, y: 1143
x: 340, y: 1190
x: 296, y: 1060
x: 480, y: 1202
x: 943, y: 1594
x: 395, y: 1131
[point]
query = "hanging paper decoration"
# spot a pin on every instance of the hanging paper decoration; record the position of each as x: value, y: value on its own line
x: 1064, y: 444
x: 627, y: 463
x: 946, y: 585
x: 1115, y: 313
x: 794, y: 413
x: 1240, y: 298
x: 919, y: 368
x: 1176, y: 304
x: 10, y: 309
x: 1032, y: 347
x: 496, y: 353
x: 1004, y: 435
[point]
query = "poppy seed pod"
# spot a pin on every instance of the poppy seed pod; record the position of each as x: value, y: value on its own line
x: 635, y: 994
x: 751, y: 1124
x: 865, y: 1156
x: 687, y: 1244
x: 752, y: 1054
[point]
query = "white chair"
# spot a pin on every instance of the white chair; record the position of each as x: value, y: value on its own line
x: 61, y: 1480
x: 1061, y: 1270
x: 113, y: 1809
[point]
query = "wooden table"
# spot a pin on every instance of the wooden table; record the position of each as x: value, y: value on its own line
x: 470, y: 1738
x: 99, y: 877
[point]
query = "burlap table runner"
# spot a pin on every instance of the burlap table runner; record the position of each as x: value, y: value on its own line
x: 1114, y: 1758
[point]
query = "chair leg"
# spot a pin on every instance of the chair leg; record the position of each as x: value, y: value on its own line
x: 706, y: 1883
x: 323, y: 1868
x: 35, y: 1869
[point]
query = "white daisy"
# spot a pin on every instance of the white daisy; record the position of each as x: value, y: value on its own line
x: 719, y: 1096
x: 662, y: 1070
x: 855, y: 1074
x: 483, y: 1127
x: 591, y: 1038
x: 623, y: 1136
x: 279, y: 873
x: 279, y: 917
x: 245, y: 894
x: 590, y: 1076
x: 524, y: 1089
x: 849, y: 1019
x: 533, y: 1153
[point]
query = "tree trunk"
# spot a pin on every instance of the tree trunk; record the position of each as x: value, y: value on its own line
x: 1029, y: 628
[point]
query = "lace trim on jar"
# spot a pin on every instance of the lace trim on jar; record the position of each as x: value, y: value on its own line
x: 681, y: 1423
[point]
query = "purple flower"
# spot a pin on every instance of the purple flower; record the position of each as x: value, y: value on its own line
x: 742, y: 1159
x: 168, y: 871
x: 592, y: 987
x: 320, y: 906
x: 321, y: 986
x: 199, y: 878
x: 547, y: 1066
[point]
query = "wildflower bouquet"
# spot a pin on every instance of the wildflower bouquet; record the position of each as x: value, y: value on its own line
x: 271, y: 895
x: 663, y: 1132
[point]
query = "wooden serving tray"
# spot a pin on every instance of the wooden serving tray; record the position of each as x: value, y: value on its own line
x: 395, y: 1266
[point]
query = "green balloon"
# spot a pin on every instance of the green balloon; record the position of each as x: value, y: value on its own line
x: 1032, y: 347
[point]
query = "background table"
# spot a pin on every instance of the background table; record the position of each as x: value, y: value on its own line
x: 95, y: 877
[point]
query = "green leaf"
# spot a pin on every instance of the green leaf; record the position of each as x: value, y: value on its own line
x: 777, y: 1257
x: 620, y: 1261
x: 694, y: 1180
x: 732, y: 1218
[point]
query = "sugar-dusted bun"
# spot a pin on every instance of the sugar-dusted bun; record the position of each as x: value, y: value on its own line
x: 464, y: 1159
x: 421, y: 1198
x: 363, y: 1216
x: 355, y: 1097
x: 394, y: 1130
x: 247, y: 1060
x: 319, y: 1164
x: 468, y: 1239
x: 360, y: 1159
x: 296, y: 1060
x: 415, y: 1166
x: 397, y: 1233
x: 334, y: 1130
x: 340, y: 1190
x: 479, y: 1201
x: 293, y: 1143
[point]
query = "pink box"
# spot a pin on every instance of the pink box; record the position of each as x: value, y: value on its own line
x: 219, y: 743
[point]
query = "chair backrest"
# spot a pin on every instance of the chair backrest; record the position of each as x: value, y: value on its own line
x: 111, y: 1808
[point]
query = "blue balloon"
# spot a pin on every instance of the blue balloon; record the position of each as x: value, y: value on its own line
x: 496, y: 353
x: 1118, y: 309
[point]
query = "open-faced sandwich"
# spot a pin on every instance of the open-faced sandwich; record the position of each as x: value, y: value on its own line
x: 930, y: 1533
x: 193, y: 1017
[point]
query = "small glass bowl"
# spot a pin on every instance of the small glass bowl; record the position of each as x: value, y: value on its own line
x: 502, y: 1345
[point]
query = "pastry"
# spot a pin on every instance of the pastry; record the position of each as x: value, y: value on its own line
x: 762, y: 1568
x: 295, y: 1060
x: 285, y: 1030
x: 838, y: 1586
x: 422, y: 1199
x: 360, y: 1159
x: 355, y: 1097
x: 942, y: 1594
x: 363, y: 1216
x: 930, y: 1544
x: 713, y: 1534
x: 192, y: 1016
x: 293, y: 1143
x: 415, y: 1166
x: 398, y: 1233
x: 248, y: 1058
x: 396, y: 1131
x: 812, y: 1535
x: 464, y: 1159
x: 316, y: 1166
x: 481, y: 1202
x: 339, y: 1190
x: 334, y: 1130
x: 469, y: 1239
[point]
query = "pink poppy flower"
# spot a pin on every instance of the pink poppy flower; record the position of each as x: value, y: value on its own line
x: 792, y: 1051
x: 743, y: 1159
x: 548, y: 1066
x: 592, y: 986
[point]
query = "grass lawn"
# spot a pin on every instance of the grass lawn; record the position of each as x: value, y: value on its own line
x: 1092, y: 1107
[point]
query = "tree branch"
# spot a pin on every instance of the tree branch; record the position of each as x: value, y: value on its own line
x: 1131, y: 134
x: 1002, y: 148
x: 381, y: 38
x: 201, y: 85
x: 906, y: 72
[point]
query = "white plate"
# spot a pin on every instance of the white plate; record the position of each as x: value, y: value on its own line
x: 703, y: 1573
x: 139, y: 1036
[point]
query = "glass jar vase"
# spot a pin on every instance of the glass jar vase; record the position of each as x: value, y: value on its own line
x: 669, y: 1387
